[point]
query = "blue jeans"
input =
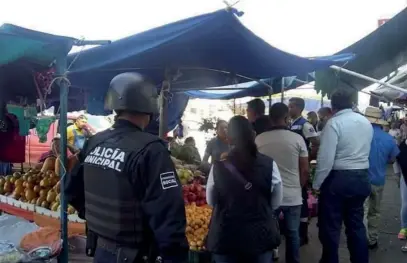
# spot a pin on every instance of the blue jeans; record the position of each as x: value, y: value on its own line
x: 403, y: 190
x: 263, y: 258
x: 292, y: 215
x: 342, y: 196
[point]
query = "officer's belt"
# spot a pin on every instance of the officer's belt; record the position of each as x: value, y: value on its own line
x: 110, y: 245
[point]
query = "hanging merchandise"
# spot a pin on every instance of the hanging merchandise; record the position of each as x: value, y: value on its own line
x: 24, y: 115
x: 13, y: 144
x: 42, y: 126
x: 44, y: 80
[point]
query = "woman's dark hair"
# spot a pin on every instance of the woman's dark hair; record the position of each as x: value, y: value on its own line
x: 342, y: 99
x: 241, y: 136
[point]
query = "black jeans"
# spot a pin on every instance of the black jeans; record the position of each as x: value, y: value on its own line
x: 341, y: 200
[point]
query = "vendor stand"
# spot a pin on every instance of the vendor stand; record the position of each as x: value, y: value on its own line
x: 24, y: 54
x: 194, y: 53
x: 208, y: 60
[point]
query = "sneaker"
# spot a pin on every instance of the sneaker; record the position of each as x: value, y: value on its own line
x: 404, y: 248
x: 403, y: 234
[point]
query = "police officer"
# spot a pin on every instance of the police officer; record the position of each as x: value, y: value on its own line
x: 132, y: 198
x: 301, y: 126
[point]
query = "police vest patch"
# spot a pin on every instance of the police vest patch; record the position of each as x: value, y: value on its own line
x: 107, y: 158
x: 168, y: 180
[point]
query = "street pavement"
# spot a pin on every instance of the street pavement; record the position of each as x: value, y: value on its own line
x: 389, y: 250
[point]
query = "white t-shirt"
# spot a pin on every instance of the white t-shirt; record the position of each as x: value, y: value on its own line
x: 285, y: 147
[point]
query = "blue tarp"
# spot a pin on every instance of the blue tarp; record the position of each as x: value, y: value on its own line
x: 22, y: 52
x: 18, y: 43
x: 209, y: 50
x: 203, y: 48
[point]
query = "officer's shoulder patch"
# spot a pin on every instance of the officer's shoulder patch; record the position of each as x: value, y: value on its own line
x: 168, y: 180
x: 311, y: 129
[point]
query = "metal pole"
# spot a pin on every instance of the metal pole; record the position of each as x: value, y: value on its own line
x: 282, y: 90
x: 361, y: 76
x: 163, y: 123
x: 322, y: 100
x: 270, y: 99
x: 63, y: 93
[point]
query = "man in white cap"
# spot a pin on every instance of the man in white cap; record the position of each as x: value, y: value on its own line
x: 383, y: 150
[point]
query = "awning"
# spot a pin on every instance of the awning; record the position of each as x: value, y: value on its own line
x: 377, y: 55
x: 17, y: 43
x: 209, y: 50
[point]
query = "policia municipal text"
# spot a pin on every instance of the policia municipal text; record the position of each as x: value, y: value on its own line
x: 126, y: 186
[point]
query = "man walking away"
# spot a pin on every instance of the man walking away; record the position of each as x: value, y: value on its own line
x: 302, y: 127
x: 343, y: 181
x: 289, y: 151
x: 255, y: 113
x: 383, y: 150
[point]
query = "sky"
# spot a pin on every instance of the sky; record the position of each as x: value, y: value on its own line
x: 301, y: 27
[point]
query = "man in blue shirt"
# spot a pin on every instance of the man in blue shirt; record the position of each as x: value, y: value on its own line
x: 383, y: 151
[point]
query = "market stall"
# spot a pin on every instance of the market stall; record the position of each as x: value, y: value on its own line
x: 207, y: 60
x: 33, y: 66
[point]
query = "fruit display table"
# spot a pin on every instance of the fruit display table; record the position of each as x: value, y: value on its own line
x: 74, y: 228
x: 39, y: 215
x: 12, y: 210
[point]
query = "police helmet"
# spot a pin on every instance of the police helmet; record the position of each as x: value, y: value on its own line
x: 132, y: 92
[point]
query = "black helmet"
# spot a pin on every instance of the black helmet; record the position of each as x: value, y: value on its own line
x: 132, y: 92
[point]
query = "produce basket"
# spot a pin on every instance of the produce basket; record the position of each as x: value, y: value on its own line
x: 199, y: 257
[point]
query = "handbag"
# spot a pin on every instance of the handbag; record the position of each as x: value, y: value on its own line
x: 248, y: 186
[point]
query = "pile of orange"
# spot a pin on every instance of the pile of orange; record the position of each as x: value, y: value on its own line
x: 198, y: 218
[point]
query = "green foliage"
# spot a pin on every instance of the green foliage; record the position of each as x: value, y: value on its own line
x: 208, y: 124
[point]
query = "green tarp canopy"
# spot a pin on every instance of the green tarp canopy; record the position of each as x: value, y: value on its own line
x: 23, y: 52
x: 21, y: 44
x: 377, y: 55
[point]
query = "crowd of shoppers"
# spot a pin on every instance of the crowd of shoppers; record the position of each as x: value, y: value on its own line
x: 352, y: 152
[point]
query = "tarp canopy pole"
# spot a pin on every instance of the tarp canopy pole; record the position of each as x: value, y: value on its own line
x: 63, y: 89
x: 64, y: 84
x: 364, y: 77
x: 282, y: 90
x: 322, y: 100
x: 163, y: 104
x: 270, y: 102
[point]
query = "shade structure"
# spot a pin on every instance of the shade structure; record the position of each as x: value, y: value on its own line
x: 18, y: 43
x: 377, y: 55
x: 209, y: 50
x: 22, y: 52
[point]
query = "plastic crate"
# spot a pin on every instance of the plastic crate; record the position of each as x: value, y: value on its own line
x: 199, y: 257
